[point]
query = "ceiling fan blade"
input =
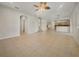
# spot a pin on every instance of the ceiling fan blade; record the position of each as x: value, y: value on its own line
x: 47, y: 7
x: 41, y: 2
x: 36, y: 6
x: 45, y: 3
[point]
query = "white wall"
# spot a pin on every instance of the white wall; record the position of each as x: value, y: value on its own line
x: 33, y: 24
x: 75, y: 22
x: 44, y: 24
x: 9, y: 22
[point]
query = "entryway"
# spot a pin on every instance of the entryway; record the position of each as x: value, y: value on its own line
x: 23, y: 24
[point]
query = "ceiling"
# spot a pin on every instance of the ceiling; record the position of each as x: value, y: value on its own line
x: 58, y: 10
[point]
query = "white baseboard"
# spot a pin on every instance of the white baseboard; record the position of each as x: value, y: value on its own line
x: 9, y: 36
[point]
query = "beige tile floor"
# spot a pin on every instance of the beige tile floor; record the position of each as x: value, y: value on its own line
x: 44, y: 44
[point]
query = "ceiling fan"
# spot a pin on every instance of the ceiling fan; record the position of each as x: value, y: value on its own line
x: 42, y: 6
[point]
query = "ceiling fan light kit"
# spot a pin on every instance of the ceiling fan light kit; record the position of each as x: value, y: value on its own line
x: 42, y: 6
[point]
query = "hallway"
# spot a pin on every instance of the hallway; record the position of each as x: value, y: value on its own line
x: 40, y: 44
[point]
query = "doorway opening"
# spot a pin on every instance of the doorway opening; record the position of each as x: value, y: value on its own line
x: 23, y: 24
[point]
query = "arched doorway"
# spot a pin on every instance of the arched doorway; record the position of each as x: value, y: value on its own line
x: 23, y: 24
